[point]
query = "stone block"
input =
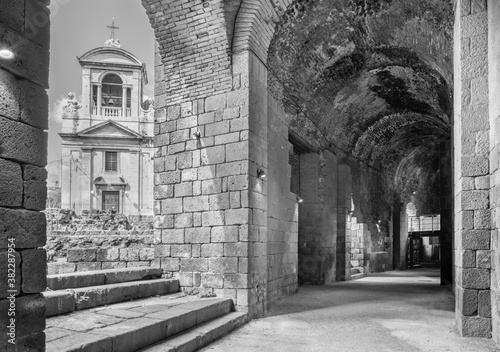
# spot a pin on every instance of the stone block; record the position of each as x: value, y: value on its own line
x: 30, y: 316
x: 129, y: 254
x: 10, y: 96
x: 466, y: 301
x: 194, y: 204
x: 235, y: 281
x: 21, y: 142
x: 189, y: 174
x: 211, y: 186
x: 482, y: 219
x: 475, y: 239
x: 12, y: 15
x: 34, y: 105
x: 12, y: 270
x: 237, y: 151
x: 163, y: 191
x: 212, y: 250
x: 170, y: 264
x: 238, y: 183
x: 37, y: 22
x: 239, y: 249
x: 161, y: 251
x: 197, y: 235
x: 475, y: 326
x: 483, y: 259
x: 194, y: 264
x: 183, y: 189
x: 476, y: 165
x: 31, y: 60
x: 113, y: 265
x: 172, y: 236
x: 484, y: 303
x: 107, y: 254
x: 216, y: 129
x: 88, y: 266
x: 28, y: 228
x: 171, y: 206
x: 238, y: 216
x: 478, y: 279
x: 465, y: 259
x: 33, y: 270
x: 223, y: 265
x: 183, y: 220
x: 180, y: 251
x: 58, y: 302
x: 164, y: 221
x: 215, y: 102
x: 82, y: 255
x: 60, y: 268
x: 224, y: 234
x: 146, y: 254
x: 213, y: 155
x: 212, y: 218
x: 11, y: 187
x: 215, y: 281
x: 219, y: 201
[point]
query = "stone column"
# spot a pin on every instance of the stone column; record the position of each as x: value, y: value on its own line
x: 24, y: 26
x: 99, y: 99
x: 471, y: 168
x: 124, y: 101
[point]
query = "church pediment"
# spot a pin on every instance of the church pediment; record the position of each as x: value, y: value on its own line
x: 109, y: 55
x: 110, y: 129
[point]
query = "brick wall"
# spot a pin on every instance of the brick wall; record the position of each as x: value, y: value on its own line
x: 24, y: 26
x: 283, y: 210
x: 471, y: 178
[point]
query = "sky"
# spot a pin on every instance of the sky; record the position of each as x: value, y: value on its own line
x: 78, y: 26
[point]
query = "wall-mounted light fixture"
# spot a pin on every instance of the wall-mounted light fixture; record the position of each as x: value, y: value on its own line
x: 261, y: 174
x: 6, y: 49
x: 196, y: 135
x: 299, y: 200
x: 350, y: 212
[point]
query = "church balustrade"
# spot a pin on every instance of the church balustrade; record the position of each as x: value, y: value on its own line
x: 107, y: 111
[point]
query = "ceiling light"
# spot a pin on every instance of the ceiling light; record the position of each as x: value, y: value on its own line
x: 261, y: 173
x: 6, y: 54
x: 299, y: 200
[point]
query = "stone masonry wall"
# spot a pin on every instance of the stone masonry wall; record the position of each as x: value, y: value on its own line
x: 24, y: 27
x: 494, y: 110
x: 283, y: 210
x: 93, y: 250
x: 471, y: 174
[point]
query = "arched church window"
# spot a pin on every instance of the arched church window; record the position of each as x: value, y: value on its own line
x: 112, y: 91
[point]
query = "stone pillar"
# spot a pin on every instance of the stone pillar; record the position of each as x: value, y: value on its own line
x: 396, y: 239
x: 446, y: 206
x: 124, y: 101
x: 494, y: 110
x: 318, y: 218
x: 99, y: 99
x: 24, y: 27
x: 471, y: 168
x: 344, y: 212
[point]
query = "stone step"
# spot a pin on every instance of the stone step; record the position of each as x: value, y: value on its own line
x: 202, y: 335
x: 101, y: 277
x: 66, y: 301
x: 131, y: 326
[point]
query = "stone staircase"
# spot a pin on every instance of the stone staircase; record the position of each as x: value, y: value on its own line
x: 131, y: 309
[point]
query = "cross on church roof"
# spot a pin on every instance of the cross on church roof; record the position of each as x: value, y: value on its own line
x: 113, y: 27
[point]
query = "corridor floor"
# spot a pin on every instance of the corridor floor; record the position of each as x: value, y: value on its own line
x: 393, y: 311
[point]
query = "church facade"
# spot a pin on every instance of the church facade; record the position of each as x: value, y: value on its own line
x: 107, y: 138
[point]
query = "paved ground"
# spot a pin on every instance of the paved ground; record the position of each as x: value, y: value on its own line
x: 394, y: 311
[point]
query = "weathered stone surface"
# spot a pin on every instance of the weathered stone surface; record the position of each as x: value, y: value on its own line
x: 33, y: 270
x: 26, y: 227
x: 11, y: 188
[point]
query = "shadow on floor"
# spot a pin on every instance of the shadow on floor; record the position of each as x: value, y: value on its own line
x: 419, y: 288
